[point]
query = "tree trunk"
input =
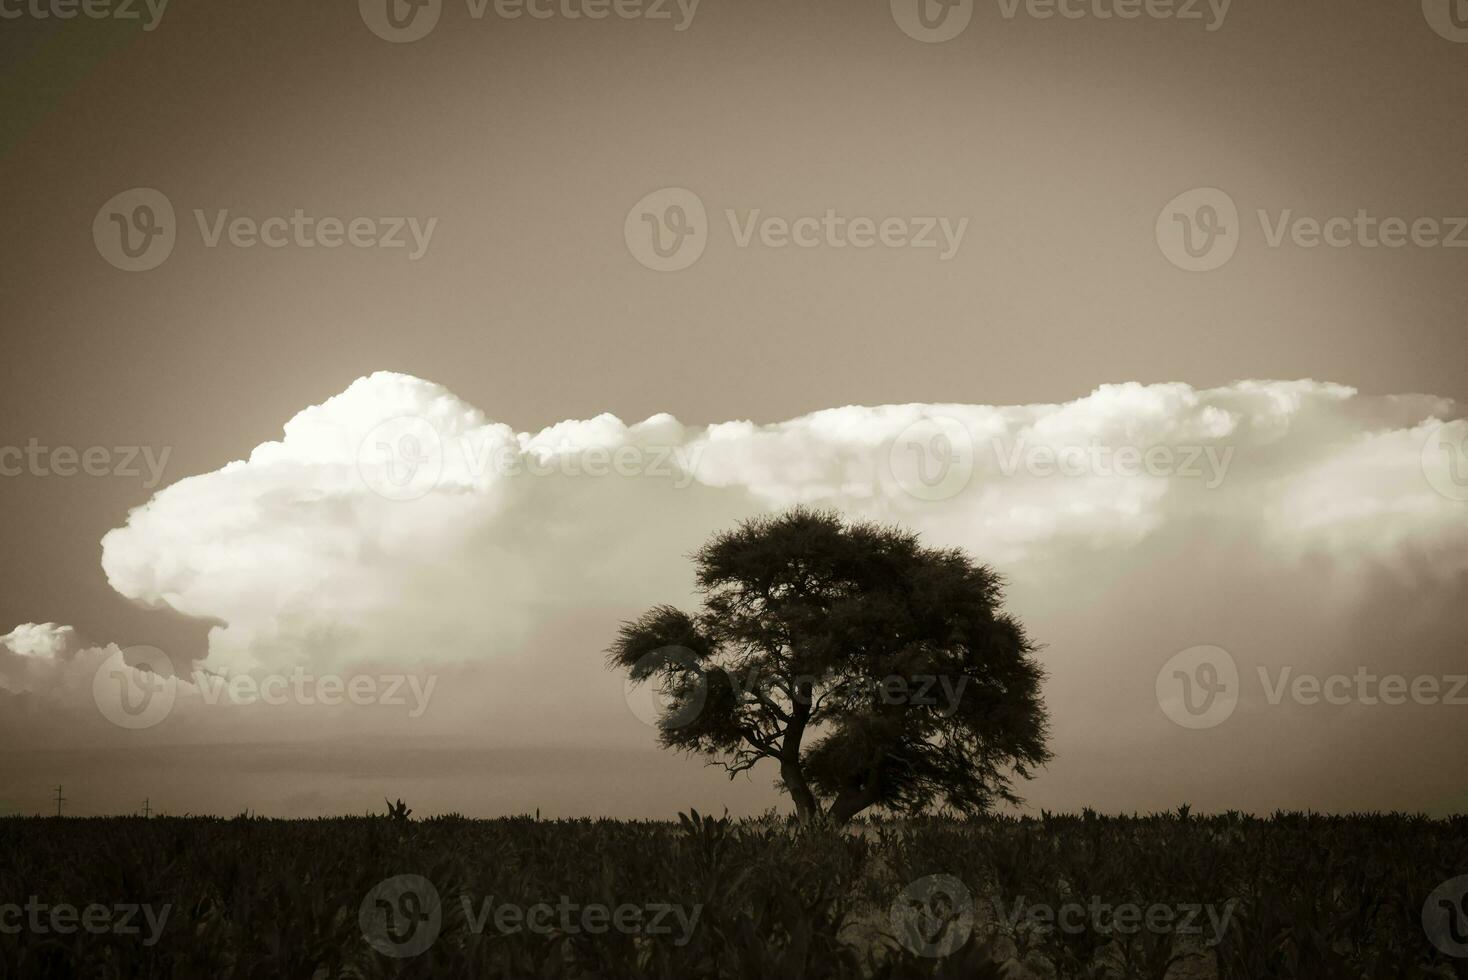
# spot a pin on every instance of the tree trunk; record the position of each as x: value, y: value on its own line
x: 853, y: 799
x: 806, y: 807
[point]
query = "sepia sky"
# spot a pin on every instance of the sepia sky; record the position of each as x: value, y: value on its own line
x: 1058, y: 145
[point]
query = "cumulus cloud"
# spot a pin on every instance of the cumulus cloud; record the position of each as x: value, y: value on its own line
x: 47, y: 676
x: 35, y: 656
x: 395, y: 528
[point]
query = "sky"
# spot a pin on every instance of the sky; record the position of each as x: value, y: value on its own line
x: 1101, y: 279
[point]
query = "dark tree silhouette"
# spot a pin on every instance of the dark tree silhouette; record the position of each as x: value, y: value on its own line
x: 875, y: 671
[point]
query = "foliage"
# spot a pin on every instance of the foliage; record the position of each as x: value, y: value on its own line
x: 1316, y: 896
x: 874, y: 671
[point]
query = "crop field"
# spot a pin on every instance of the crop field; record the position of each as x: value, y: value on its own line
x: 1162, y: 896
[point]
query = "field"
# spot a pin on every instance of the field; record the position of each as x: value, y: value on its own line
x: 1163, y: 896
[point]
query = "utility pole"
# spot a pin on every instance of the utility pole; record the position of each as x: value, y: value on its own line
x: 147, y: 810
x: 59, y: 800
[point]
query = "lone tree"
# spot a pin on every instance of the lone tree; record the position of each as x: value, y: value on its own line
x: 875, y: 671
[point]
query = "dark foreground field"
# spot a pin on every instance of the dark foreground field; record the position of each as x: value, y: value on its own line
x: 1162, y: 896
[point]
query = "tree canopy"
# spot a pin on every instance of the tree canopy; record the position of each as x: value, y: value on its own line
x: 874, y: 671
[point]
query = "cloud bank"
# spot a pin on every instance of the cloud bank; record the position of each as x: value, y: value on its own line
x: 395, y: 530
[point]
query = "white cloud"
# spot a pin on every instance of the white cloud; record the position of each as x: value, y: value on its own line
x: 510, y: 568
x: 35, y: 656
